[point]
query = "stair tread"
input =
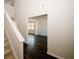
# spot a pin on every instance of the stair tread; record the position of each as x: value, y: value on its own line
x: 6, y: 44
x: 6, y: 41
x: 7, y: 48
x: 7, y: 51
x: 9, y: 56
x: 5, y: 38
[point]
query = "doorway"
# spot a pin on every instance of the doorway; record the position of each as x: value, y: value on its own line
x: 37, y: 31
x: 36, y: 47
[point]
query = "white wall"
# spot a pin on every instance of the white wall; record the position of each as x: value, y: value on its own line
x: 21, y: 16
x: 61, y: 28
x: 41, y: 25
x: 60, y: 23
x: 28, y: 8
x: 37, y: 7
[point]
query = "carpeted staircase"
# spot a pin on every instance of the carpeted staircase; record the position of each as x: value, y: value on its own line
x: 7, y: 49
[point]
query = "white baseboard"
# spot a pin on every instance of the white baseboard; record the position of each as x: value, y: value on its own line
x: 54, y: 55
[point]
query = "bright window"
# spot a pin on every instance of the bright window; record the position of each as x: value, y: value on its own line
x: 31, y: 26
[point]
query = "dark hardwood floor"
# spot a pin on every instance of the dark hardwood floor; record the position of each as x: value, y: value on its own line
x: 36, y: 48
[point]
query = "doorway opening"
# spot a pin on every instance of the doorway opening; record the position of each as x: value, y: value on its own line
x: 37, y: 31
x: 36, y: 47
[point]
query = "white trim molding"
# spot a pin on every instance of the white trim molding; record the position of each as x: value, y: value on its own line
x: 55, y: 55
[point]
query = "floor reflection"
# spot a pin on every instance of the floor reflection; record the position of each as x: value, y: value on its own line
x: 31, y: 40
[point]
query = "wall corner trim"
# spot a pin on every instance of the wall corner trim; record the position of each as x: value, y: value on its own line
x: 55, y: 55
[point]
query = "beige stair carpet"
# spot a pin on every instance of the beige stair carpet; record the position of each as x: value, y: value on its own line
x: 7, y: 49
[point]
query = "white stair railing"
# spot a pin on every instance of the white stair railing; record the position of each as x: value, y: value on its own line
x: 15, y: 38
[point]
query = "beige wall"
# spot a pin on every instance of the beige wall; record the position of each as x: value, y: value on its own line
x: 61, y: 28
